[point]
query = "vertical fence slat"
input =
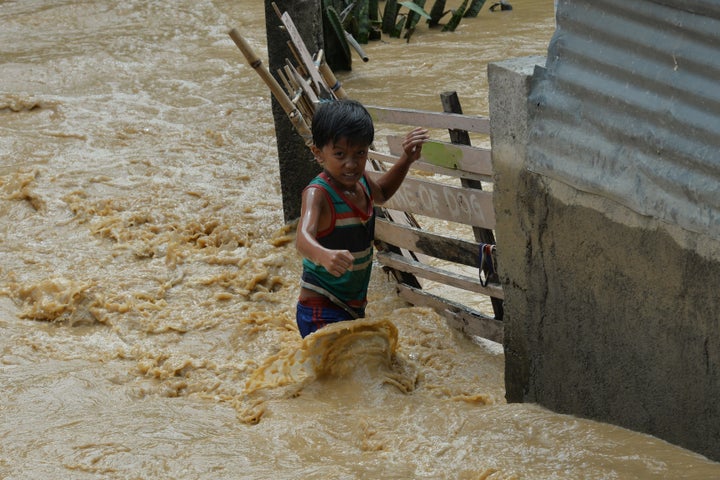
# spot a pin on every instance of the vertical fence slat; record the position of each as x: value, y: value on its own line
x: 451, y: 104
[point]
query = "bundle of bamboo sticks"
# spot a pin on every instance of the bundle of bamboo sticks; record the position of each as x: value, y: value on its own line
x: 305, y: 83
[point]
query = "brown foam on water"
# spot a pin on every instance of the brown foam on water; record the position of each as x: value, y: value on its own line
x: 58, y: 300
x: 361, y: 353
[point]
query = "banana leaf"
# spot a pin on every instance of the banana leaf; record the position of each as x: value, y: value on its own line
x: 332, y: 3
x: 456, y: 17
x: 375, y: 20
x: 345, y: 11
x: 474, y: 8
x: 416, y: 11
x: 363, y: 22
x: 389, y: 15
x: 398, y: 27
x: 436, y: 13
x: 336, y: 46
x: 373, y: 10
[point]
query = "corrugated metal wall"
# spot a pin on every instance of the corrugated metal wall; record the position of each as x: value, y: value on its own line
x: 629, y: 106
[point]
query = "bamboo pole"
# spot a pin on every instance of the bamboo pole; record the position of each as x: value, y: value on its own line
x: 331, y: 80
x: 354, y: 44
x: 301, y: 126
x: 301, y: 51
x: 304, y: 84
x: 298, y: 61
x: 288, y: 88
x: 303, y: 102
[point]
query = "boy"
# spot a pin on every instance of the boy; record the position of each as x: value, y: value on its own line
x: 336, y: 228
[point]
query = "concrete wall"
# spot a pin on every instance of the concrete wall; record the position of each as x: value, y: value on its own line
x: 609, y: 314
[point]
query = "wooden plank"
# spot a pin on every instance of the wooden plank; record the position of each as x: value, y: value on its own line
x: 428, y: 167
x: 431, y: 244
x: 304, y: 53
x: 429, y: 119
x: 304, y: 85
x: 462, y: 205
x: 450, y: 156
x: 446, y: 277
x: 460, y: 317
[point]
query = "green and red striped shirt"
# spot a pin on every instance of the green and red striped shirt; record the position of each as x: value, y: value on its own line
x: 350, y: 229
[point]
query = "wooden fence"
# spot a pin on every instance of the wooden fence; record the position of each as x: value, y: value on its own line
x: 446, y: 185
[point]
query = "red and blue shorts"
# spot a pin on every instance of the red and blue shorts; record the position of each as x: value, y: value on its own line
x: 313, y: 313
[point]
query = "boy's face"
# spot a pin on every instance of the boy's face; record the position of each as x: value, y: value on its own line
x: 344, y: 162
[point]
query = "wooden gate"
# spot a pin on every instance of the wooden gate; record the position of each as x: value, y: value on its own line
x: 446, y: 185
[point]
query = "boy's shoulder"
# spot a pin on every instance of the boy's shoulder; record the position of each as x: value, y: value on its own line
x: 319, y: 182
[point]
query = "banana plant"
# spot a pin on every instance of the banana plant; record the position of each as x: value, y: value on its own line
x: 362, y: 21
x: 474, y: 8
x: 456, y: 17
x: 438, y: 12
x: 416, y: 11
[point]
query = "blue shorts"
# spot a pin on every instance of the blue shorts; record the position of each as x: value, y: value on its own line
x: 315, y: 312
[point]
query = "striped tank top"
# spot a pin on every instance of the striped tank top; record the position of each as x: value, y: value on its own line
x: 350, y: 229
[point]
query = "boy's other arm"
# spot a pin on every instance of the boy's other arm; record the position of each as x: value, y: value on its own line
x: 388, y: 184
x: 314, y: 213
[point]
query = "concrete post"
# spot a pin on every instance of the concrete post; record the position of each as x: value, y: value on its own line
x: 609, y: 314
x: 509, y: 89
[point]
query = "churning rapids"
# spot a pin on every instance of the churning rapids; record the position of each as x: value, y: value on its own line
x: 148, y: 282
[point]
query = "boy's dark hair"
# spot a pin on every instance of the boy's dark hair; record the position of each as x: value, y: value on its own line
x: 342, y: 119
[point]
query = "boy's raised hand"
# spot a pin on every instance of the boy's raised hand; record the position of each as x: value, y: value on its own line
x: 412, y: 144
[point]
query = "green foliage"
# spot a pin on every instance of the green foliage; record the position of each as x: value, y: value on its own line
x: 373, y: 10
x: 456, y: 17
x: 398, y: 26
x: 336, y: 47
x: 362, y: 16
x: 389, y: 15
x: 474, y: 8
x: 416, y: 11
x: 413, y: 17
x: 362, y: 19
x: 436, y: 13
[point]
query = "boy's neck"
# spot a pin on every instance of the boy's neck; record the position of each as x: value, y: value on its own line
x: 349, y: 192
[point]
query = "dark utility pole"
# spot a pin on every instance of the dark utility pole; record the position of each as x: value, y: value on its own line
x: 297, y: 165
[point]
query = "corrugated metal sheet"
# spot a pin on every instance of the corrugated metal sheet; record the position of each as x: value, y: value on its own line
x: 628, y: 106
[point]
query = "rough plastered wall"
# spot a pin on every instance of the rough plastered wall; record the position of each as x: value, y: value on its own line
x: 609, y: 314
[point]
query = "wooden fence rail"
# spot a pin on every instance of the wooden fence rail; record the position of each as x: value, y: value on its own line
x: 432, y: 190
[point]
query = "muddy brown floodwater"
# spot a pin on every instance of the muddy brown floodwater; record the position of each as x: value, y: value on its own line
x: 148, y: 283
